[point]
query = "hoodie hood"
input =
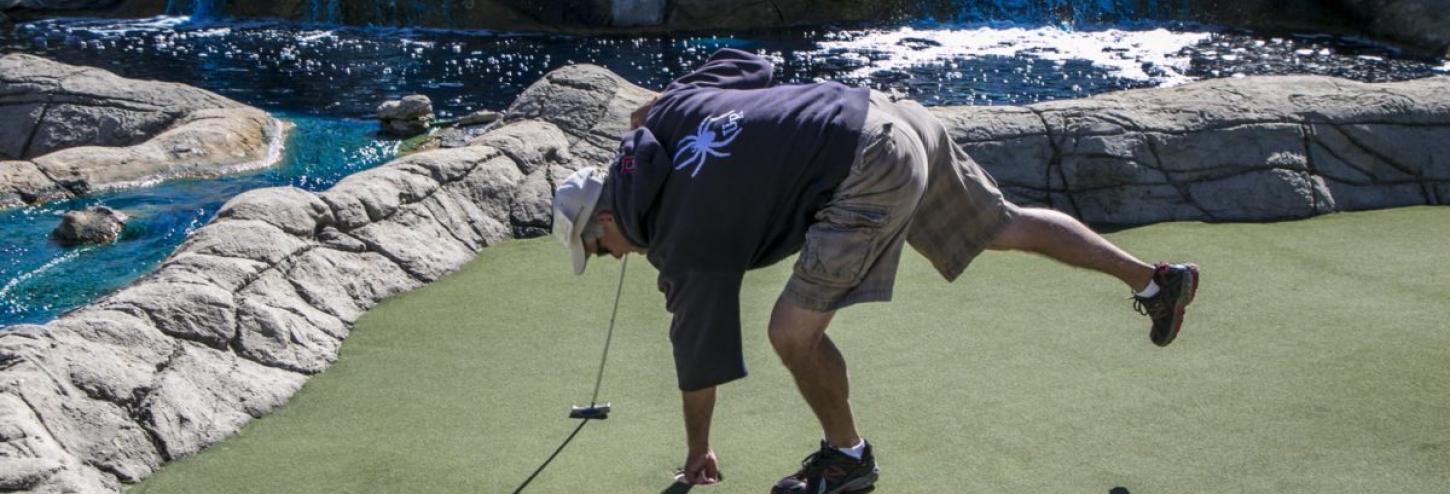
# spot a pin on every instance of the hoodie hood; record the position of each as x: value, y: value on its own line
x: 637, y: 177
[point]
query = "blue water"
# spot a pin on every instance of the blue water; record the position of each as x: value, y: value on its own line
x: 43, y: 279
x: 329, y: 79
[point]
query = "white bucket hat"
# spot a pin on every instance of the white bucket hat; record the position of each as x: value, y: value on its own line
x: 574, y: 202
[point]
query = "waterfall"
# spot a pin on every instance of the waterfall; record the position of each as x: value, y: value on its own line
x: 197, y: 9
x: 324, y: 11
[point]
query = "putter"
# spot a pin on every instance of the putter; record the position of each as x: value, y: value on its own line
x: 595, y: 410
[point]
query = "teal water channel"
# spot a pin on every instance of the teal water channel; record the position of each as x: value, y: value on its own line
x: 39, y: 279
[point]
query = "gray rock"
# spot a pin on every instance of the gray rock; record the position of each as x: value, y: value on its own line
x: 1251, y: 149
x: 30, y: 458
x: 531, y: 144
x: 193, y: 312
x: 93, y: 225
x: 411, y: 107
x: 86, y: 130
x: 227, y: 273
x: 293, y: 210
x: 99, y: 432
x: 415, y: 240
x: 21, y: 182
x: 346, y: 284
x: 244, y: 239
x: 481, y: 117
x: 532, y: 214
x: 205, y: 395
x: 374, y: 195
x: 590, y: 104
x: 280, y: 329
x: 407, y: 117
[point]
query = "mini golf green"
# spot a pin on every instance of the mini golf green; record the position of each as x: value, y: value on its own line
x: 1315, y: 359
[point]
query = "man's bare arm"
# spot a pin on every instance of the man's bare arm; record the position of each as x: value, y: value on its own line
x: 701, y: 466
x: 699, y: 408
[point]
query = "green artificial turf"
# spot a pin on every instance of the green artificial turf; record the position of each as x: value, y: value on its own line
x: 1316, y: 358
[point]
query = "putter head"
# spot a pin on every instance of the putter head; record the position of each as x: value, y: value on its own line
x: 596, y: 412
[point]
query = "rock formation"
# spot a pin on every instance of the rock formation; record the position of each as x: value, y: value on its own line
x: 481, y: 117
x: 407, y: 117
x: 234, y: 321
x: 67, y: 131
x: 1250, y: 149
x: 93, y: 225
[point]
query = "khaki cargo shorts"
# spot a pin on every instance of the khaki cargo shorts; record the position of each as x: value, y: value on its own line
x: 909, y: 183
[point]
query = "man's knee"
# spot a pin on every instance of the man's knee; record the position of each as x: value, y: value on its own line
x: 796, y: 329
x: 1020, y: 231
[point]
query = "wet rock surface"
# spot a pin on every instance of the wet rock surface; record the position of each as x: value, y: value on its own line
x: 69, y: 131
x: 262, y: 297
x: 93, y: 225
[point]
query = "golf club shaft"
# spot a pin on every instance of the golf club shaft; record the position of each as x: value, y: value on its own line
x: 594, y: 400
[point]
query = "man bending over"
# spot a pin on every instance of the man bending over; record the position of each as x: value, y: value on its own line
x: 726, y: 173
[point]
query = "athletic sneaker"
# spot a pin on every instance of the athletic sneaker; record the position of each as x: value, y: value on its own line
x: 829, y: 471
x: 1176, y: 286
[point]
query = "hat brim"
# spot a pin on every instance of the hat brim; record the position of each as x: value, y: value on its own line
x: 577, y: 253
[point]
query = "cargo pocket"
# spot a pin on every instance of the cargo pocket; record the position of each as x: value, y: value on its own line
x: 841, y: 246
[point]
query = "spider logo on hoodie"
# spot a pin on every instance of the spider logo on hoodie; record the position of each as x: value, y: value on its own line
x: 709, y: 140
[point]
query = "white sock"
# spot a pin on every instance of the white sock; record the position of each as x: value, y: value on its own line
x: 1150, y: 291
x: 855, y: 451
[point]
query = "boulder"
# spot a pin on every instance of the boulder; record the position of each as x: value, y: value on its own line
x: 21, y: 182
x: 407, y: 117
x: 588, y: 103
x: 93, y: 225
x: 80, y: 130
x: 481, y: 117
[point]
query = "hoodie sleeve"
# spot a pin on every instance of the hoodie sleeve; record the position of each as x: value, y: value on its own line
x: 728, y: 68
x: 706, y: 328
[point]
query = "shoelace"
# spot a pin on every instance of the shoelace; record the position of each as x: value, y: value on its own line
x: 812, y: 465
x: 819, y: 464
x: 1148, y: 308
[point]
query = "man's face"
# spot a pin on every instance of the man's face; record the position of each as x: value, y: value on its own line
x: 612, y: 242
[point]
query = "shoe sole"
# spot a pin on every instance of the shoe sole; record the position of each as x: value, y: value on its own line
x: 866, y: 483
x: 1182, y: 303
x: 861, y: 485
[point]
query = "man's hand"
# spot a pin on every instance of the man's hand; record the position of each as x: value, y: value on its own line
x: 701, y: 468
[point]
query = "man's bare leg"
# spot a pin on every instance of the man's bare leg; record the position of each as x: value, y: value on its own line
x: 1065, y: 239
x: 799, y: 337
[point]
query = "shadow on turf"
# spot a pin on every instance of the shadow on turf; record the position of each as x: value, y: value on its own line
x: 677, y: 488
